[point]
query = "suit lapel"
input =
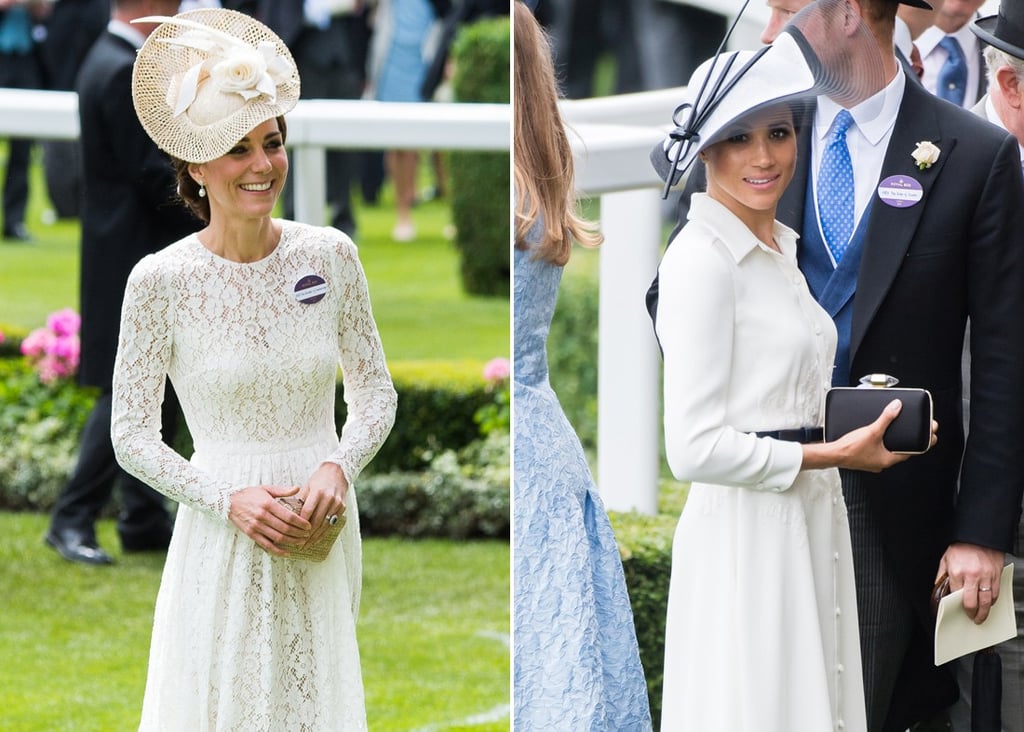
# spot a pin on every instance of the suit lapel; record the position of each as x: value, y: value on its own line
x: 891, y: 230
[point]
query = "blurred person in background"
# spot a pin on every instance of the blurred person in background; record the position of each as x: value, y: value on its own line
x: 20, y: 68
x: 951, y: 54
x: 401, y: 46
x: 328, y: 41
x: 71, y: 29
x: 128, y: 211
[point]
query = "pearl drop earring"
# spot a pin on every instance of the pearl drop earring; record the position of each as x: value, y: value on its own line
x: 202, y: 191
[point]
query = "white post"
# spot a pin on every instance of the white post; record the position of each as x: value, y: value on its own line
x: 628, y: 377
x: 310, y: 181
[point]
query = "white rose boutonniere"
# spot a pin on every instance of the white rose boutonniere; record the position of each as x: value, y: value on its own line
x: 925, y: 154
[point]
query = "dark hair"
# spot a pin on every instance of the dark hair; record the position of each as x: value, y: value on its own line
x: 188, y: 189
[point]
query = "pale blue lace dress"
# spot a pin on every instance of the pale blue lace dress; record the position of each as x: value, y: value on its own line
x: 577, y: 666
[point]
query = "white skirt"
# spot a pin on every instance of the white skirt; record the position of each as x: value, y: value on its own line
x: 249, y: 642
x: 762, y: 629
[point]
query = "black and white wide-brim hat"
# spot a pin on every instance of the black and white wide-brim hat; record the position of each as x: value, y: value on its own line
x: 204, y: 78
x: 820, y: 52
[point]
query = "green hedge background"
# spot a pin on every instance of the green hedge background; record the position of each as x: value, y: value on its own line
x: 480, y: 180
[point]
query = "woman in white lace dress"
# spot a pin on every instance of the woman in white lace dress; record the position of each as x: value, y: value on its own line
x: 250, y: 318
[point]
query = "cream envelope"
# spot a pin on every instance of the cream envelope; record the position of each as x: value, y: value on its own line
x: 957, y: 635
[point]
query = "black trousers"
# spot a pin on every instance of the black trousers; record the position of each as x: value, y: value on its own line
x: 891, y: 641
x: 18, y: 71
x: 331, y: 67
x: 144, y: 512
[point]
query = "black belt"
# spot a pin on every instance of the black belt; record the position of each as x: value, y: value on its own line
x: 800, y: 434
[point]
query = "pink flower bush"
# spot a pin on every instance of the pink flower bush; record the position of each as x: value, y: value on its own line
x: 54, y: 350
x: 497, y: 370
x: 64, y: 322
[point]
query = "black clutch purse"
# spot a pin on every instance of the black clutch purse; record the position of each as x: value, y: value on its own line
x: 850, y: 407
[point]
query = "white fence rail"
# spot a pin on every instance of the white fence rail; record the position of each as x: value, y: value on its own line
x: 313, y: 127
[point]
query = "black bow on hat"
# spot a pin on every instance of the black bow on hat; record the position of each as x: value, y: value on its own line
x: 1004, y: 30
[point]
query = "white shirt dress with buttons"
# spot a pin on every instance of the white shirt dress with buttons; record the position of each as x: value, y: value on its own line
x: 762, y: 616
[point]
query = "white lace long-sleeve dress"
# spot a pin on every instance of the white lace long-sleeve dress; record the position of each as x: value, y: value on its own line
x: 761, y: 633
x: 243, y: 640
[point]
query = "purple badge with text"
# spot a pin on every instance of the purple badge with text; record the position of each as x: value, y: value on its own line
x: 310, y: 289
x: 900, y: 191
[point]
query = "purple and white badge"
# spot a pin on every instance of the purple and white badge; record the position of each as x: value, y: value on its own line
x: 900, y: 191
x: 310, y: 289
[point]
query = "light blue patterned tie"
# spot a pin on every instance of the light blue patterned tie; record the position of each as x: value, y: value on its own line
x: 952, y: 80
x: 835, y: 188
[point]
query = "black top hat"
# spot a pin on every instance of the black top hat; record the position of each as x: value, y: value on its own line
x: 1005, y: 30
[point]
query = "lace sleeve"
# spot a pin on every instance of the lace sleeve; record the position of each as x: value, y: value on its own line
x: 369, y: 393
x: 140, y: 372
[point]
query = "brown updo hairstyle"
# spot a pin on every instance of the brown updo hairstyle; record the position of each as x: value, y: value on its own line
x: 188, y: 189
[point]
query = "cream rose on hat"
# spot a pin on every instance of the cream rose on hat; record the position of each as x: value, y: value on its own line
x: 204, y: 78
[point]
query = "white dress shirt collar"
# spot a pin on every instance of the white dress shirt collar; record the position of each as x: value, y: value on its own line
x: 875, y: 116
x: 929, y: 40
x: 127, y: 32
x: 734, y: 234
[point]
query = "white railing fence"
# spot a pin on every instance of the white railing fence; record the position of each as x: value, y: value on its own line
x: 313, y: 127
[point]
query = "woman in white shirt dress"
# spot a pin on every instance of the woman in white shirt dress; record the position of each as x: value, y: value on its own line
x: 762, y: 616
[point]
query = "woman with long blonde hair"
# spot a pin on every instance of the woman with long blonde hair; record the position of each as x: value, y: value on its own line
x: 577, y: 666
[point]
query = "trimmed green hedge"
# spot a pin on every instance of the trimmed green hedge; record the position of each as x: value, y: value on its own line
x: 10, y: 345
x: 480, y: 180
x: 645, y: 543
x: 572, y: 355
x: 40, y: 425
x: 436, y: 404
x: 463, y: 495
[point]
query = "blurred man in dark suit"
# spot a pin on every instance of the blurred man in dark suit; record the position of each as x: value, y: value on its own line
x: 128, y: 211
x: 329, y: 46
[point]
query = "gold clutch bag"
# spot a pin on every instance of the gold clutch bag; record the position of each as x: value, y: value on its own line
x: 314, y: 552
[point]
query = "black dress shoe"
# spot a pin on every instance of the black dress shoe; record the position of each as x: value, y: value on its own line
x: 77, y: 546
x: 17, y: 232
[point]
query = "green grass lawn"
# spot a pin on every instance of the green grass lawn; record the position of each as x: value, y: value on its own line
x: 418, y: 301
x: 433, y: 634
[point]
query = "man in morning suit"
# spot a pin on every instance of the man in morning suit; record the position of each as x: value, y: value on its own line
x: 900, y: 295
x: 1002, y: 39
x: 128, y: 211
x: 951, y: 55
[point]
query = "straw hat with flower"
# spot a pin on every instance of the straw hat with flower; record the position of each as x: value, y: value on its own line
x: 205, y: 78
